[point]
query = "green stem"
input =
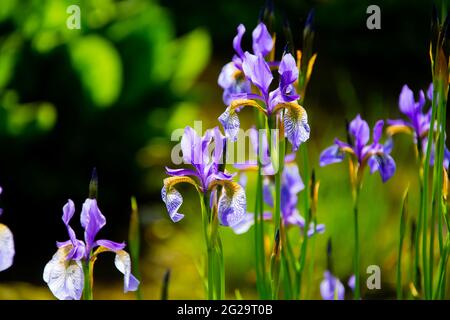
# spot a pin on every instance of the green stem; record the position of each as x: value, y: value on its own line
x: 403, y: 219
x: 356, y: 258
x: 87, y: 291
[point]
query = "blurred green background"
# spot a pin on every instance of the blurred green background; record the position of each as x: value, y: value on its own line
x: 110, y: 94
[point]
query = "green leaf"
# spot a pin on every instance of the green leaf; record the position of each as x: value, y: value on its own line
x: 99, y: 67
x: 192, y: 54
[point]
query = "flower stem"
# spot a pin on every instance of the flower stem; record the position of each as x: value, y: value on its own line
x: 356, y: 257
x: 403, y: 220
x: 87, y: 291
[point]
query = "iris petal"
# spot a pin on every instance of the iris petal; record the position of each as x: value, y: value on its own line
x: 331, y: 288
x: 123, y: 264
x: 65, y: 278
x: 331, y: 155
x: 262, y: 40
x: 92, y: 220
x: 231, y: 204
x: 258, y: 71
x: 296, y: 125
x: 7, y: 251
x: 172, y: 198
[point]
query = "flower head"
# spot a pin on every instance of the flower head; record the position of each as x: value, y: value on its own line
x: 331, y: 288
x: 7, y: 251
x: 231, y: 78
x: 291, y: 185
x: 375, y: 154
x: 205, y: 175
x: 64, y: 272
x: 418, y: 122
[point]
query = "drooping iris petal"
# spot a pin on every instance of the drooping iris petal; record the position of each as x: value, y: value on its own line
x: 6, y: 247
x: 65, y: 278
x: 384, y: 164
x: 92, y: 220
x: 245, y: 224
x: 238, y: 39
x: 231, y: 204
x: 331, y: 155
x: 172, y: 198
x: 331, y: 288
x: 262, y: 40
x: 296, y: 125
x: 257, y: 70
x: 230, y: 122
x: 123, y: 264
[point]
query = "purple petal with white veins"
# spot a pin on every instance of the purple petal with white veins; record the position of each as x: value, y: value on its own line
x: 245, y: 224
x: 226, y: 76
x: 7, y: 250
x: 173, y: 201
x: 384, y: 164
x: 123, y: 264
x: 230, y: 122
x: 231, y: 204
x: 296, y: 127
x: 262, y: 40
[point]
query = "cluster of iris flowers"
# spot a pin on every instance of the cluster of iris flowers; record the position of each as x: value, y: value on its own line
x: 276, y: 89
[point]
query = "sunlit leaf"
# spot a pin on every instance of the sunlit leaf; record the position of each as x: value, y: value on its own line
x: 99, y: 67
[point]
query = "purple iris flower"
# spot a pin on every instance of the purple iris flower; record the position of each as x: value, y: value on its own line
x: 284, y: 97
x: 376, y: 155
x: 7, y: 251
x: 418, y: 121
x: 231, y: 78
x: 291, y: 185
x: 331, y: 288
x: 64, y: 272
x: 204, y: 175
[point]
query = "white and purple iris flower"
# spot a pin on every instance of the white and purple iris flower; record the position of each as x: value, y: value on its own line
x: 375, y: 154
x: 418, y: 122
x: 64, y: 273
x: 6, y: 245
x: 284, y: 98
x: 205, y: 175
x: 291, y: 185
x: 231, y: 78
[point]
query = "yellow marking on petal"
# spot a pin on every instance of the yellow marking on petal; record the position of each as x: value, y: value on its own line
x: 238, y: 74
x: 398, y: 128
x: 245, y: 102
x: 295, y: 109
x: 310, y: 67
x: 172, y: 181
x: 230, y: 187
